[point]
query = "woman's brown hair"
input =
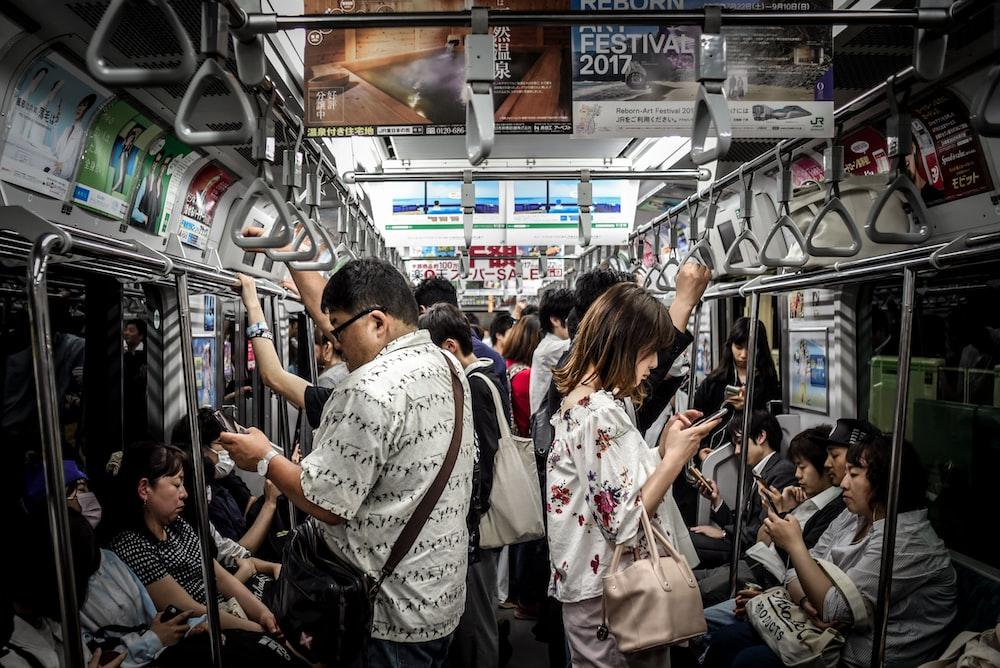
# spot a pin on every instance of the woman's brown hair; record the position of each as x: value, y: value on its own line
x: 522, y: 339
x: 624, y: 325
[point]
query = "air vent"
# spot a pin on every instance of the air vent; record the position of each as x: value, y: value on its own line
x: 861, y: 72
x: 141, y: 34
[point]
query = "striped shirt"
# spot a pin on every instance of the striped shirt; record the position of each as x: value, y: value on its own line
x: 923, y: 587
x: 383, y: 435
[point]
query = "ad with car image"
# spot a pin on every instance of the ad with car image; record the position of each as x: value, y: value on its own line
x: 633, y: 81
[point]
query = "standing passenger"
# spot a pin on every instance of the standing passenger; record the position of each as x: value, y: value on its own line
x: 600, y: 468
x: 554, y: 308
x: 383, y: 435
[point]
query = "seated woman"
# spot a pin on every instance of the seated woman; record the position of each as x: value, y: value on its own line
x: 923, y: 581
x: 163, y: 549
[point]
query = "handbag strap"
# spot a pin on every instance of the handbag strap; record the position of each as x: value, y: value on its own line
x: 850, y: 591
x: 497, y: 404
x: 430, y: 498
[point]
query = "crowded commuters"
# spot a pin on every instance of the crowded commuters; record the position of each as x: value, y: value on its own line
x: 519, y: 347
x: 500, y: 325
x: 715, y: 543
x: 331, y: 366
x: 923, y: 580
x: 600, y: 470
x: 475, y: 642
x: 553, y: 310
x: 384, y: 432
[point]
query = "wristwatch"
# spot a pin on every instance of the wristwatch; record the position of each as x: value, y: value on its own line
x: 259, y: 330
x: 263, y: 463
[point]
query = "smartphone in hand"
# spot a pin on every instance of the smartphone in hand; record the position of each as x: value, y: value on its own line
x: 717, y: 415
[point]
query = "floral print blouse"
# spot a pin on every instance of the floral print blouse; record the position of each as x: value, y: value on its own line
x: 596, y: 469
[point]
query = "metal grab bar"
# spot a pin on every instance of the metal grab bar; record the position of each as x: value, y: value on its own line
x: 900, y: 136
x: 834, y: 166
x: 138, y: 76
x: 211, y: 69
x: 710, y: 105
x: 480, y: 127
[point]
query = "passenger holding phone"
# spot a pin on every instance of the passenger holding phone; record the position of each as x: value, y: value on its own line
x: 714, y: 543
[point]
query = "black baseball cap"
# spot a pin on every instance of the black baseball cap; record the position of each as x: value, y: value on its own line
x: 849, y: 431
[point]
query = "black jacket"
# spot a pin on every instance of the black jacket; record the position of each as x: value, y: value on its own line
x: 778, y: 473
x: 712, y: 393
x: 487, y: 427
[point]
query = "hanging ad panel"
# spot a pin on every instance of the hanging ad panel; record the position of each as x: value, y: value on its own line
x: 631, y: 81
x: 50, y: 113
x: 166, y: 161
x: 206, y: 189
x: 112, y: 159
x: 425, y: 212
x: 411, y: 81
x: 547, y: 212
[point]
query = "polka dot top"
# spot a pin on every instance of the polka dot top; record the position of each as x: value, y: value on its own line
x: 179, y: 556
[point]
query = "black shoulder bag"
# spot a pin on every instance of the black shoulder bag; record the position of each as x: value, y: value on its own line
x: 325, y: 605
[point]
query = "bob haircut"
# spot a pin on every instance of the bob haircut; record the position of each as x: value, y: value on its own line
x: 624, y: 325
x: 874, y: 451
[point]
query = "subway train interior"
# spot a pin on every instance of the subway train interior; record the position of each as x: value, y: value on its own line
x: 782, y: 215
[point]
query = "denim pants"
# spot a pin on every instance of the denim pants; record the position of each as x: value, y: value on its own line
x: 389, y: 654
x: 737, y: 645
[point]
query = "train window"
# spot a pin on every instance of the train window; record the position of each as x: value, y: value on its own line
x: 954, y: 399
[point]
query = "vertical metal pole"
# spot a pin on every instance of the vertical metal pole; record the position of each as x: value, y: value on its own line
x: 307, y: 335
x: 48, y: 413
x: 284, y: 438
x: 692, y: 374
x: 239, y: 354
x: 219, y: 358
x: 741, y: 490
x: 200, y: 494
x: 881, y: 622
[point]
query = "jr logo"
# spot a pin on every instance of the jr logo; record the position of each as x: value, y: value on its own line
x: 817, y: 122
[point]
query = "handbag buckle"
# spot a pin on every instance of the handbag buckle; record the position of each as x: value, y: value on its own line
x: 602, y: 632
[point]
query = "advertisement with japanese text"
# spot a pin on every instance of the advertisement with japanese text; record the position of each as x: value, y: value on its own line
x: 411, y: 81
x: 166, y: 160
x: 112, y: 159
x: 431, y: 212
x: 548, y: 212
x: 51, y: 110
x: 633, y: 81
x: 206, y: 189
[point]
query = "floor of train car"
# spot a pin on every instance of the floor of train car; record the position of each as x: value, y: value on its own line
x: 527, y: 651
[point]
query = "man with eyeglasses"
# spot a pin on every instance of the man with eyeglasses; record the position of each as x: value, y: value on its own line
x: 379, y: 444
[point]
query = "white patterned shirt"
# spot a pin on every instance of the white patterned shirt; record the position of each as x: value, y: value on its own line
x: 383, y: 435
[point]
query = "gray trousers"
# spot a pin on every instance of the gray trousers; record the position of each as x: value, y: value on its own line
x: 476, y: 640
x: 714, y: 582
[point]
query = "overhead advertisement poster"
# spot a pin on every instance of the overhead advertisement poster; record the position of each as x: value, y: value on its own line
x: 425, y: 212
x: 164, y: 165
x: 548, y: 212
x: 112, y: 159
x: 203, y: 195
x: 48, y: 118
x: 633, y: 81
x: 411, y: 81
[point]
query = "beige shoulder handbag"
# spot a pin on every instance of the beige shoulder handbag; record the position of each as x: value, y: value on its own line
x: 653, y: 602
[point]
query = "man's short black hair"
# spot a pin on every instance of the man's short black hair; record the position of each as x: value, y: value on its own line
x: 361, y: 284
x: 502, y: 322
x: 809, y: 446
x: 446, y: 321
x: 208, y: 429
x: 760, y: 422
x: 433, y: 291
x: 139, y: 325
x: 555, y: 303
x: 530, y: 309
x: 589, y: 286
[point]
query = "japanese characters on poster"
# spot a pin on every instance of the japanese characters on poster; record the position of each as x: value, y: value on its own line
x: 50, y: 113
x: 947, y: 162
x: 165, y: 162
x: 633, y: 81
x: 431, y: 211
x: 411, y: 81
x: 203, y: 195
x: 547, y: 212
x: 113, y: 155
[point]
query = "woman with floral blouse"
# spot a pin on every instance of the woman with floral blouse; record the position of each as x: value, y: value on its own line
x: 600, y: 468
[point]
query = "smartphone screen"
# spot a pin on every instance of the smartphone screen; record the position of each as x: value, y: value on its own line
x: 109, y: 656
x: 714, y: 416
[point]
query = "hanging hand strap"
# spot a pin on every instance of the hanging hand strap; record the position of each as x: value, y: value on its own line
x: 430, y: 498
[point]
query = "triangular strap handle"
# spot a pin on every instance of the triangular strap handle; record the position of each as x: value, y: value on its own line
x: 784, y: 222
x: 210, y: 69
x: 139, y: 76
x: 727, y: 264
x: 710, y: 108
x: 904, y: 186
x: 300, y: 250
x: 317, y: 264
x: 281, y: 232
x: 833, y: 205
x: 988, y: 100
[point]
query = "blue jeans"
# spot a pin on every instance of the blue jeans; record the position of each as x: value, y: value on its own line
x: 389, y: 654
x: 720, y: 614
x: 737, y: 645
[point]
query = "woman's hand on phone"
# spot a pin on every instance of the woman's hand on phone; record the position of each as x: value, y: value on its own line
x: 711, y: 492
x: 96, y: 662
x: 738, y: 401
x: 173, y: 630
x: 679, y: 440
x: 785, y: 531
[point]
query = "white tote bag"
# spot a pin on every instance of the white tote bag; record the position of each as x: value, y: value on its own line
x: 515, y: 514
x: 791, y: 634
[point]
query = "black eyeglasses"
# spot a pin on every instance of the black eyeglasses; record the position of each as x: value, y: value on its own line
x: 340, y: 330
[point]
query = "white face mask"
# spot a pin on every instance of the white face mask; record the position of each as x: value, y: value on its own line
x: 90, y: 507
x: 225, y: 465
